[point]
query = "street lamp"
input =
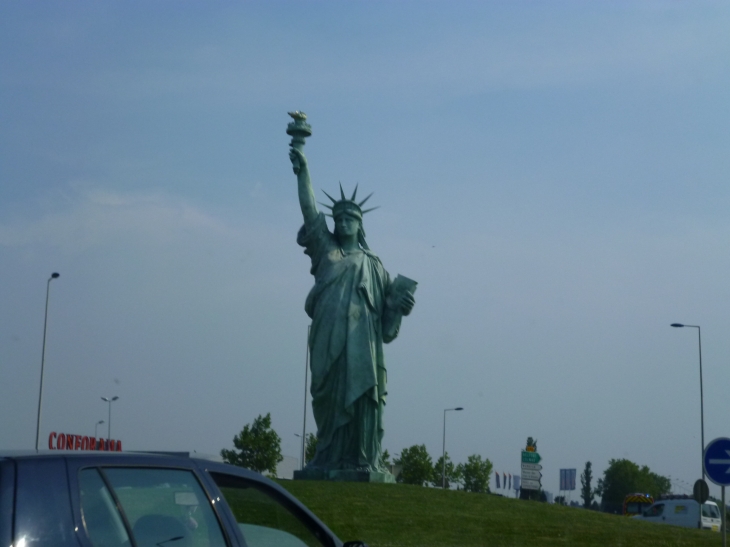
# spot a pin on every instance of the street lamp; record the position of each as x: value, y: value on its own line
x: 702, y: 400
x: 443, y: 456
x: 109, y: 423
x: 302, y: 438
x: 96, y: 426
x: 54, y: 275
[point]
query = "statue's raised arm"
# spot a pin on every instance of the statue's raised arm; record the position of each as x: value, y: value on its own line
x: 299, y: 129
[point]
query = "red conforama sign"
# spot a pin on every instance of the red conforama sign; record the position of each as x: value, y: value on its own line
x: 66, y: 441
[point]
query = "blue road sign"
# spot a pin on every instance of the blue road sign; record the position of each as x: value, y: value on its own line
x: 717, y: 461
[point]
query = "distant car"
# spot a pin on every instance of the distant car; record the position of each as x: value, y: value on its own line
x: 147, y: 500
x: 683, y: 512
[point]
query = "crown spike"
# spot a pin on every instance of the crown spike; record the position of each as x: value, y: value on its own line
x: 363, y: 201
x: 342, y: 193
x: 371, y: 209
x: 325, y: 205
x: 354, y: 194
x: 333, y: 199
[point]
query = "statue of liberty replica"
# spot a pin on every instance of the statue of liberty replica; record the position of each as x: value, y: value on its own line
x: 355, y: 308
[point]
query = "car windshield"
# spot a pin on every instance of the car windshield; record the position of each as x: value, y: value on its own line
x: 655, y: 510
x: 710, y: 511
x: 635, y: 507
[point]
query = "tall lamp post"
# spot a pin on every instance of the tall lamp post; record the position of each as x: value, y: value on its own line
x: 303, y: 436
x: 443, y: 456
x: 702, y: 401
x: 109, y: 423
x: 96, y: 427
x: 302, y: 447
x: 54, y: 275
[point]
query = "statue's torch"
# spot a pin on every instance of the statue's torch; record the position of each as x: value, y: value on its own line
x: 299, y: 130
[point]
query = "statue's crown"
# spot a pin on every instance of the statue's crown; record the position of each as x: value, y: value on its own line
x: 347, y: 206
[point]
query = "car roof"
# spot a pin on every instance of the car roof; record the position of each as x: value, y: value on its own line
x: 162, y: 458
x: 156, y: 458
x: 676, y: 501
x: 17, y: 454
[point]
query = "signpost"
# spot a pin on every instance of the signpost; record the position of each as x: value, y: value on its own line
x: 716, y: 463
x: 567, y: 482
x: 531, y: 470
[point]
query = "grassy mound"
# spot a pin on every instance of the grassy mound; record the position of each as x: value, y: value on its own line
x: 387, y: 515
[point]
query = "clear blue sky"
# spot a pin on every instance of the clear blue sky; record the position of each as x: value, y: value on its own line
x: 554, y: 174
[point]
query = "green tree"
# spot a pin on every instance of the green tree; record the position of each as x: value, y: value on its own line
x: 452, y: 475
x: 386, y: 459
x: 259, y: 447
x: 623, y: 477
x: 475, y: 473
x: 416, y: 465
x: 586, y: 491
x: 310, y: 448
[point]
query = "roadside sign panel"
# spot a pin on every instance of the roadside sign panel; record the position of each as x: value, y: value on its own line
x: 717, y: 461
x: 530, y: 484
x: 701, y: 492
x: 532, y: 466
x: 531, y: 475
x: 567, y: 479
x: 530, y: 457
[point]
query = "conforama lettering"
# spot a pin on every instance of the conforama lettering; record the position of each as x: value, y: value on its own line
x: 67, y: 441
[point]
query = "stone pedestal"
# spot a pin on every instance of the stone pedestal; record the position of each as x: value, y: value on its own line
x: 345, y: 475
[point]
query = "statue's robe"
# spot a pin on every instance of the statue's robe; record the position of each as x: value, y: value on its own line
x: 347, y: 306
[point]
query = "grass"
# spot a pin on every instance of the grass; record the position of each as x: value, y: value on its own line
x: 388, y: 515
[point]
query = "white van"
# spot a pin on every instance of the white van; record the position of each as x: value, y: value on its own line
x: 683, y: 512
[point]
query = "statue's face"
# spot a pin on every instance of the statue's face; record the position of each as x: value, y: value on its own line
x: 346, y: 225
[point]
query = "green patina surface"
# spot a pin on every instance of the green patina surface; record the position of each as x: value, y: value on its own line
x: 355, y: 308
